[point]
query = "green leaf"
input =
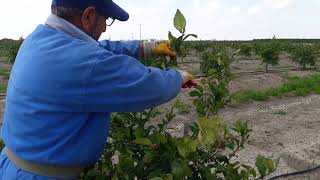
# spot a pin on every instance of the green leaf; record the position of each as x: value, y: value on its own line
x: 158, y: 138
x: 241, y: 127
x: 232, y: 172
x: 154, y: 113
x: 200, y: 88
x: 171, y: 37
x: 261, y: 168
x: 208, y: 175
x: 176, y: 44
x: 219, y: 61
x: 138, y: 132
x: 195, y: 129
x: 253, y: 172
x: 156, y: 178
x: 210, y: 129
x: 126, y: 116
x: 115, y: 177
x: 222, y: 158
x: 177, y: 170
x: 193, y: 35
x: 186, y: 146
x: 269, y: 164
x: 180, y: 169
x: 186, y: 169
x: 147, y: 158
x: 142, y: 141
x: 265, y: 165
x: 179, y: 21
x: 155, y: 173
x: 200, y: 110
x: 162, y: 139
x: 195, y: 93
x: 126, y: 162
x: 231, y: 146
x: 213, y: 88
x: 169, y: 177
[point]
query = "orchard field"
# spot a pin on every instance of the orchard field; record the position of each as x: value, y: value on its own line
x: 281, y: 103
x: 251, y: 113
x: 282, y: 112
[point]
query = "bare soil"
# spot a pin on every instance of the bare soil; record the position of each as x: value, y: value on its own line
x: 286, y: 128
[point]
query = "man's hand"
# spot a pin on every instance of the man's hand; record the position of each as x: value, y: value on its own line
x: 189, y: 84
x: 158, y: 48
x: 188, y: 80
x: 163, y: 48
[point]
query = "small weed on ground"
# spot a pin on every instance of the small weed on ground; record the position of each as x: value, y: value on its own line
x: 280, y: 113
x: 3, y: 88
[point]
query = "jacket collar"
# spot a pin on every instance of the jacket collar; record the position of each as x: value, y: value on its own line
x: 62, y: 25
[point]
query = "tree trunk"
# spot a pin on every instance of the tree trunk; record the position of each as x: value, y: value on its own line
x: 266, y: 68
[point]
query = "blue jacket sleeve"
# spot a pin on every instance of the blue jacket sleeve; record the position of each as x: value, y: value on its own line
x: 120, y: 83
x: 130, y: 48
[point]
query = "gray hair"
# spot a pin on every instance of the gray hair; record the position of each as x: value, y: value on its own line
x: 66, y: 13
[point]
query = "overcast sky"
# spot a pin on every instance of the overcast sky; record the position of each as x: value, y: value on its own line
x: 209, y: 19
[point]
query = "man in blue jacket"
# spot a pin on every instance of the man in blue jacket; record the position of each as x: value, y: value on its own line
x: 64, y: 85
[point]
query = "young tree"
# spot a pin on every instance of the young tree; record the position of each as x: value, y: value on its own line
x: 304, y: 55
x: 13, y: 50
x: 270, y: 54
x: 245, y: 50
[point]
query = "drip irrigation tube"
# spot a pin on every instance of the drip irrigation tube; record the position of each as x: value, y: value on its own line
x: 295, y: 173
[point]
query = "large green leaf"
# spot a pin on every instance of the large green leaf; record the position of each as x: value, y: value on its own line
x: 265, y: 165
x: 156, y: 178
x: 211, y: 128
x: 179, y: 21
x: 180, y: 169
x: 143, y: 141
x: 177, y: 170
x: 260, y: 165
x: 138, y: 132
x: 186, y: 146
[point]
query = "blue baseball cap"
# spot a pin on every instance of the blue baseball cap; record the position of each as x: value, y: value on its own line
x: 106, y: 7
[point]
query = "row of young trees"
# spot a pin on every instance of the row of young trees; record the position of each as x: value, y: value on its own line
x: 10, y: 48
x: 303, y: 54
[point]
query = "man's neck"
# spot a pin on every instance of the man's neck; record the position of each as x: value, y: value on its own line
x: 70, y: 28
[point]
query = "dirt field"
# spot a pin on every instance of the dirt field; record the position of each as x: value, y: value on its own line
x: 292, y: 135
x: 287, y: 128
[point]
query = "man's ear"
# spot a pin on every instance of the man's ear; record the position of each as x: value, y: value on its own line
x: 88, y: 18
